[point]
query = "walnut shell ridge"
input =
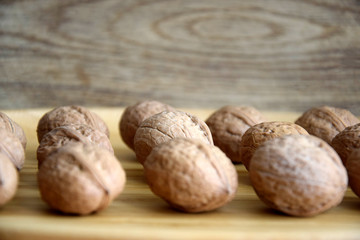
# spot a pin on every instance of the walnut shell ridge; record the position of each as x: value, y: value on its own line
x: 135, y: 114
x: 353, y: 170
x: 11, y: 146
x: 191, y: 175
x: 62, y: 135
x: 80, y: 179
x: 7, y: 123
x: 165, y: 126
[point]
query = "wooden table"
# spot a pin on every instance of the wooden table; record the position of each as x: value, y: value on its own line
x: 274, y: 55
x: 139, y: 214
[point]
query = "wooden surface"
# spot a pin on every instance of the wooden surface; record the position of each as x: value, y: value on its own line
x: 139, y: 214
x: 275, y: 55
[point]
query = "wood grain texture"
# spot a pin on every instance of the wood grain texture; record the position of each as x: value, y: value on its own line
x: 138, y: 214
x: 274, y: 55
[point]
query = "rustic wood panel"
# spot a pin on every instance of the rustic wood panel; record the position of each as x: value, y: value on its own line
x: 275, y: 55
x: 138, y: 214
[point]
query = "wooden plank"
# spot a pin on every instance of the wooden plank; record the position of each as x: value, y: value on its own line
x: 139, y: 214
x: 274, y: 55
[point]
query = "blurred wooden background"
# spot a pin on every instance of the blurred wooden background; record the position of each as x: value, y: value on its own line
x: 282, y: 55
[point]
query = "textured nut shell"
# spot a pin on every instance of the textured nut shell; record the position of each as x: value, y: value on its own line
x: 326, y: 122
x: 259, y: 133
x: 353, y: 169
x: 8, y: 179
x: 347, y: 141
x: 60, y: 136
x: 191, y: 175
x: 227, y: 126
x: 299, y: 175
x: 164, y: 126
x: 11, y: 146
x: 135, y: 114
x: 7, y: 123
x: 80, y: 179
x: 68, y: 115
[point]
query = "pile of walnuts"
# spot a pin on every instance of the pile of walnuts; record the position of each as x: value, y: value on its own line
x: 294, y: 168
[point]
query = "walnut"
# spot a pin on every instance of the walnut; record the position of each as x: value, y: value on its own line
x: 135, y: 114
x: 353, y: 170
x: 11, y: 146
x: 68, y: 115
x: 80, y: 178
x: 228, y: 124
x: 346, y: 141
x: 326, y: 122
x: 259, y: 133
x: 300, y: 175
x: 9, y: 179
x: 7, y: 123
x: 191, y: 175
x: 166, y: 125
x: 60, y: 136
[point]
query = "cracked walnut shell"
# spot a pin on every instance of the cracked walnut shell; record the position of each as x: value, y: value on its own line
x: 68, y: 115
x: 60, y: 136
x: 165, y: 126
x: 227, y: 126
x: 260, y: 133
x: 80, y: 179
x: 191, y: 175
x: 135, y: 114
x: 326, y: 122
x: 300, y: 175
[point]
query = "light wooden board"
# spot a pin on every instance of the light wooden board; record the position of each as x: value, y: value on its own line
x: 138, y: 214
x: 275, y: 55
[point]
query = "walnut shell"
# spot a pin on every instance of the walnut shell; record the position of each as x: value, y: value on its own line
x: 346, y: 141
x: 80, y: 178
x: 326, y: 122
x: 11, y: 146
x: 9, y: 179
x: 135, y: 114
x: 227, y: 126
x: 60, y: 136
x: 300, y: 175
x: 7, y: 123
x: 68, y: 115
x: 259, y: 133
x: 191, y: 175
x: 164, y: 126
x: 353, y: 170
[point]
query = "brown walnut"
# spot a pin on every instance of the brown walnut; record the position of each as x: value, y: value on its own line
x: 7, y: 123
x: 227, y: 126
x: 326, y: 122
x: 164, y: 126
x: 259, y: 133
x: 191, y: 175
x: 68, y: 115
x: 9, y: 179
x: 346, y: 141
x: 353, y: 170
x: 60, y: 136
x: 300, y: 175
x: 80, y: 178
x: 135, y: 114
x: 11, y: 146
